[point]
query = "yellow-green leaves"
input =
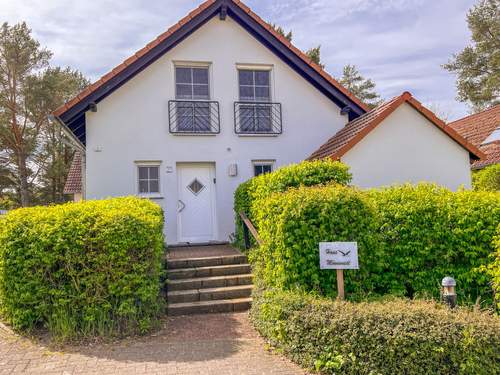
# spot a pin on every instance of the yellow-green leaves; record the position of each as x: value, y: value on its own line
x: 380, y: 337
x: 82, y: 269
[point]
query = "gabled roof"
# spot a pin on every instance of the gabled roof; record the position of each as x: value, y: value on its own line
x: 347, y: 137
x: 74, y: 179
x: 72, y: 114
x: 477, y: 128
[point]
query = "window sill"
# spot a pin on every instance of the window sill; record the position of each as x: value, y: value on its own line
x: 150, y: 196
x: 195, y: 134
x: 257, y: 135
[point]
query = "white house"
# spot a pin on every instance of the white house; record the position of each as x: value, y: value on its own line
x: 401, y: 141
x: 216, y: 99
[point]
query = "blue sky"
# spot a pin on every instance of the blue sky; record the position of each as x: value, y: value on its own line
x: 400, y: 44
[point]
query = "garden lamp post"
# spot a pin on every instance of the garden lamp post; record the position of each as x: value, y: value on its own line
x: 448, y: 293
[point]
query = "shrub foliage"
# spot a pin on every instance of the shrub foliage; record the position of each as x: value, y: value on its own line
x: 82, y: 269
x: 389, y: 337
x: 293, y: 223
x: 487, y: 179
x: 409, y: 238
x: 307, y: 173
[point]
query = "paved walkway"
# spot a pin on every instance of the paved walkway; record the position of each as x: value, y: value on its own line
x: 219, y: 344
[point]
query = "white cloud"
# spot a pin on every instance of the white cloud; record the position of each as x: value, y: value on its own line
x: 398, y: 43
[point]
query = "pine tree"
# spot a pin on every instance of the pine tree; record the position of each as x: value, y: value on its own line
x: 478, y: 66
x: 362, y: 88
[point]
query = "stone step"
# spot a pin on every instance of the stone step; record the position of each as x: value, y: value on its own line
x: 215, y: 306
x: 206, y: 262
x: 209, y: 282
x: 188, y: 273
x: 210, y: 294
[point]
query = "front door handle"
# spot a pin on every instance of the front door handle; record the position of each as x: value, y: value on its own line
x: 182, y: 206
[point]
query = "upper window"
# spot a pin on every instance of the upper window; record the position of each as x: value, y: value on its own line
x: 254, y: 85
x: 191, y: 83
x: 149, y: 179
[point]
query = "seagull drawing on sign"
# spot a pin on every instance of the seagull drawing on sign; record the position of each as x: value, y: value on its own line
x: 344, y: 254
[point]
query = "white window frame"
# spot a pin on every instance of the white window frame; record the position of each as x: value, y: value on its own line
x: 193, y: 64
x: 259, y: 163
x: 148, y: 163
x: 256, y: 67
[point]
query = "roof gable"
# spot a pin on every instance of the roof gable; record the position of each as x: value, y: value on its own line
x: 72, y: 114
x: 351, y: 134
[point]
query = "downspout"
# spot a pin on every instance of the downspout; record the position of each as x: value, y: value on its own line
x: 76, y: 143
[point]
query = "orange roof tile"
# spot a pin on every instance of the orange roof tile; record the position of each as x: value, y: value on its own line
x: 74, y: 179
x: 347, y: 137
x: 476, y: 129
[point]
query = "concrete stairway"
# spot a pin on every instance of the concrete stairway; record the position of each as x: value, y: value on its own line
x: 207, y: 285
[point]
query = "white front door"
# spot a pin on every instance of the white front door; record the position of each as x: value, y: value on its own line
x: 196, y: 219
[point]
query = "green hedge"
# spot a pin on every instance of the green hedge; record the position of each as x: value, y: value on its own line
x: 391, y: 337
x: 409, y: 238
x: 487, y: 179
x: 307, y: 173
x: 493, y: 269
x: 82, y: 269
x: 293, y: 223
x: 428, y: 232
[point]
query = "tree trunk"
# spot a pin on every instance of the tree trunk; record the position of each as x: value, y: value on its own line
x: 23, y: 180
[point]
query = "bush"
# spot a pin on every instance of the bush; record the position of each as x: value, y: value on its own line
x: 82, y: 269
x: 293, y: 223
x: 307, y: 173
x: 391, y: 337
x: 428, y: 232
x: 493, y: 269
x: 409, y: 238
x: 487, y: 179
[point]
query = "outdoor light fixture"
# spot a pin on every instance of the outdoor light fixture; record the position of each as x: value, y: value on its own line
x: 448, y: 293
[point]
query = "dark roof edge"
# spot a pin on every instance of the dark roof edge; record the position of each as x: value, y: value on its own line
x: 75, y: 112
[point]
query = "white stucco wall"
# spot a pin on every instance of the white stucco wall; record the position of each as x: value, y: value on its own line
x: 132, y: 123
x: 406, y: 147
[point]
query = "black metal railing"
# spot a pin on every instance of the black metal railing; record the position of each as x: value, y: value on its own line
x: 193, y: 117
x: 257, y: 118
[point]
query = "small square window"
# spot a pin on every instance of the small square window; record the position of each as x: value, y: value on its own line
x: 148, y: 179
x: 262, y: 167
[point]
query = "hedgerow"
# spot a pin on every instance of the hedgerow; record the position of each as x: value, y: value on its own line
x: 493, y: 269
x: 307, y: 173
x: 487, y: 179
x: 409, y: 238
x: 293, y: 223
x: 82, y: 269
x: 386, y: 337
x: 428, y: 232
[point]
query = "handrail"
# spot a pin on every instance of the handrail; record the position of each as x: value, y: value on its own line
x: 249, y: 226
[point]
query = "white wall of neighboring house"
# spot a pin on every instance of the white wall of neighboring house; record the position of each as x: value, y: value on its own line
x: 132, y: 124
x: 406, y: 147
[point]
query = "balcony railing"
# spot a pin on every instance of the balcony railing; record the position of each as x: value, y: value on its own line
x: 257, y: 118
x: 193, y: 117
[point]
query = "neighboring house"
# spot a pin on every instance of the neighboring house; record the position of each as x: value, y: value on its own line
x: 74, y: 180
x: 482, y: 130
x: 401, y: 141
x: 218, y: 98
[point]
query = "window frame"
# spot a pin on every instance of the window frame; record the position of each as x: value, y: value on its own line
x: 262, y: 163
x: 192, y: 66
x: 148, y: 164
x: 255, y: 69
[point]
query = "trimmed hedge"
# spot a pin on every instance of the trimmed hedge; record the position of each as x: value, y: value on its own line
x: 493, y: 269
x: 293, y: 223
x: 82, y: 269
x: 390, y: 337
x: 307, y: 173
x: 428, y: 232
x: 487, y: 179
x: 409, y: 238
